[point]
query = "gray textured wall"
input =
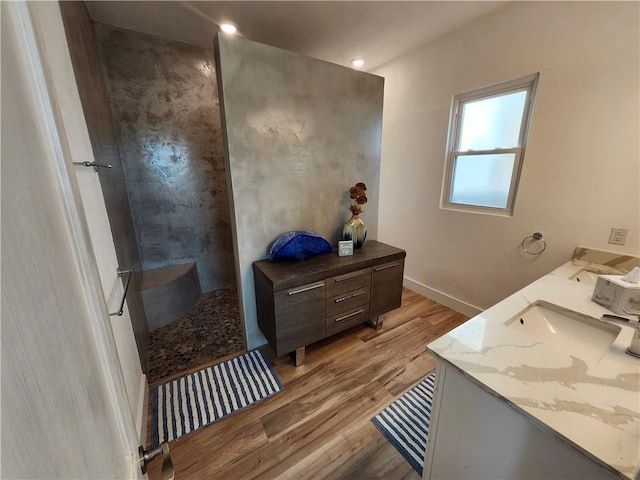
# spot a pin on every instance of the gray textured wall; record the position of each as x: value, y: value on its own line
x: 299, y: 133
x: 164, y: 100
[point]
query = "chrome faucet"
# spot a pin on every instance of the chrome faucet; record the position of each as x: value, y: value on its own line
x: 634, y: 347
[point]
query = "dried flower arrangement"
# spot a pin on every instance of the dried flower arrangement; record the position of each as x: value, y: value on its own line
x: 358, y: 195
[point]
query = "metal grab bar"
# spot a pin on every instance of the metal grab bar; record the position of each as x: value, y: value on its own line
x: 93, y: 164
x: 126, y: 289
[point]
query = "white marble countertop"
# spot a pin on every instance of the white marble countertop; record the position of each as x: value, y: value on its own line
x: 594, y: 408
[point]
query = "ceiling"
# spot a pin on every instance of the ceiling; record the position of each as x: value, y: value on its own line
x: 335, y: 31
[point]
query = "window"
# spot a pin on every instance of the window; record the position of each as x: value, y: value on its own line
x: 487, y: 136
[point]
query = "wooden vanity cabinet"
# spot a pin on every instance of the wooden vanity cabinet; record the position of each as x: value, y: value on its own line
x: 386, y: 287
x: 299, y: 311
x: 299, y: 303
x: 348, y: 298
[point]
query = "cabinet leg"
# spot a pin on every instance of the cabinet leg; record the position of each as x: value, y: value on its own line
x: 300, y: 356
x: 376, y: 322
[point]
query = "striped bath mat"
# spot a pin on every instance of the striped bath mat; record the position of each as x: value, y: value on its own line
x: 405, y: 423
x: 191, y: 402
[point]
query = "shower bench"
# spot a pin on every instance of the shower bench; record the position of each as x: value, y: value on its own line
x: 301, y: 302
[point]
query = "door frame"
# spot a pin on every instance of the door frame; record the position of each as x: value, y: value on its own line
x: 32, y: 42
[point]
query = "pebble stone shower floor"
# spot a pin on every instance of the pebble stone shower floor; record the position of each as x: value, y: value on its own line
x: 210, y: 331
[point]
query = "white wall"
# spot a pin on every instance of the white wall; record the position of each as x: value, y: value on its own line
x: 59, y: 413
x: 581, y: 172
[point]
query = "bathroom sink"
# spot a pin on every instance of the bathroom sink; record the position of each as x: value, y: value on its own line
x: 589, y: 275
x: 576, y: 334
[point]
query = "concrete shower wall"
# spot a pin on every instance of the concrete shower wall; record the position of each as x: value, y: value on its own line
x: 164, y: 101
x: 299, y: 133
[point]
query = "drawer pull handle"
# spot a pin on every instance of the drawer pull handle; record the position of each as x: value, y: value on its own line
x: 349, y: 276
x: 306, y: 289
x: 384, y: 267
x: 350, y: 315
x: 342, y: 299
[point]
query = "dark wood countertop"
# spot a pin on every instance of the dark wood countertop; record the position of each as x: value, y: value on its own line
x: 290, y: 273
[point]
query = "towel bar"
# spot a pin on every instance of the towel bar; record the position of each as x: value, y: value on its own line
x: 126, y: 289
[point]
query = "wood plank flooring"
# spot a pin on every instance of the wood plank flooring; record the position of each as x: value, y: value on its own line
x: 320, y: 426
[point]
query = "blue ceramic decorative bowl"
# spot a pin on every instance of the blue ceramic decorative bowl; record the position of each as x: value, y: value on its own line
x: 299, y: 245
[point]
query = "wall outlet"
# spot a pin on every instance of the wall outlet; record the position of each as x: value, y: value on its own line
x: 618, y: 236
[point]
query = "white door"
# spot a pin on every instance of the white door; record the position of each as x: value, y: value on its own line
x: 56, y: 61
x: 66, y: 404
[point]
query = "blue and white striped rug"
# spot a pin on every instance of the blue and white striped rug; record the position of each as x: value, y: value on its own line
x: 405, y: 423
x: 188, y: 403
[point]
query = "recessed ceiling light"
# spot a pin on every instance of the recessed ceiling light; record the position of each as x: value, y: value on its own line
x: 228, y: 28
x: 357, y: 62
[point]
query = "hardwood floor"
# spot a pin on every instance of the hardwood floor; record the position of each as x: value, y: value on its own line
x: 320, y: 426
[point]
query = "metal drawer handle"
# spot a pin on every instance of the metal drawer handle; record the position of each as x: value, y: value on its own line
x: 350, y: 315
x: 342, y: 299
x: 349, y: 276
x: 384, y: 267
x: 306, y: 289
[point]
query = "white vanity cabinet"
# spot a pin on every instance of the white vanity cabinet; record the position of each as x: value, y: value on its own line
x: 474, y: 434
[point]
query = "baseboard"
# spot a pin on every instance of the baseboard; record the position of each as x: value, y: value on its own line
x: 442, y: 298
x: 142, y: 410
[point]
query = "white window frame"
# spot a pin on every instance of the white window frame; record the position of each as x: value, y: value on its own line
x: 529, y: 84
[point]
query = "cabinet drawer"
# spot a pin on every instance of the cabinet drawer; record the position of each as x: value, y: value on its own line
x: 347, y: 282
x: 348, y: 301
x: 386, y: 287
x: 338, y: 323
x: 299, y: 316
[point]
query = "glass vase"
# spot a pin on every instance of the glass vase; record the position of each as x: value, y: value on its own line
x: 355, y: 230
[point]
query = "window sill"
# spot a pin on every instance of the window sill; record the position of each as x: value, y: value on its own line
x: 496, y: 212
